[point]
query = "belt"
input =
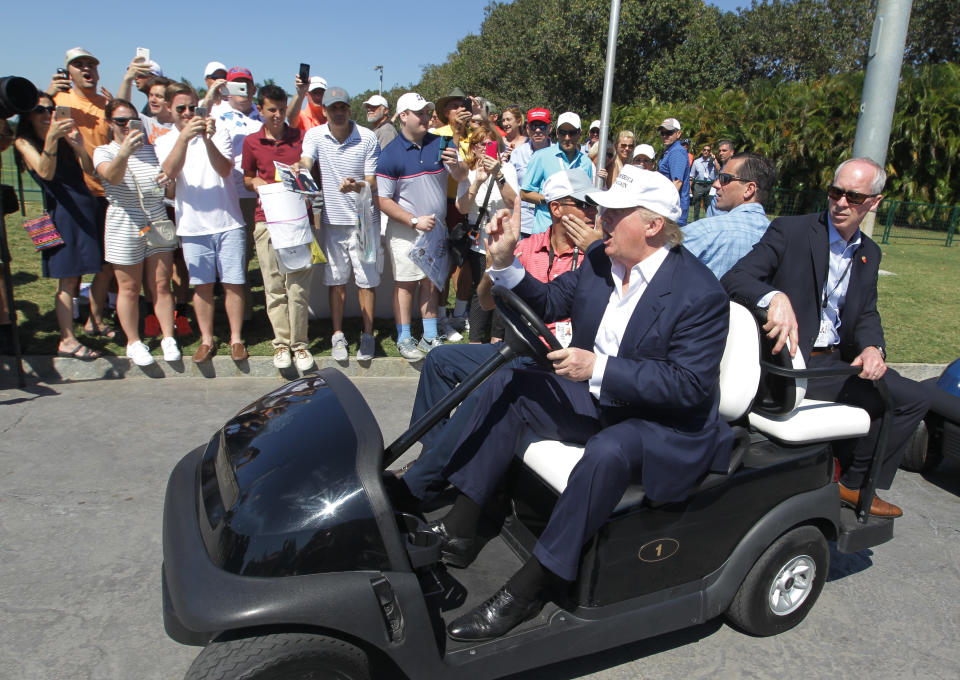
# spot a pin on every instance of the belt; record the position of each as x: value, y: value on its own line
x: 821, y: 350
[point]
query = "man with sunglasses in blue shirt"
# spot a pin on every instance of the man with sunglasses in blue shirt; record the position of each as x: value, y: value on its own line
x: 816, y: 275
x: 566, y: 155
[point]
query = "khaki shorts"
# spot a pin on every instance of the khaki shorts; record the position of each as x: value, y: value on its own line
x: 341, y: 245
x: 401, y: 239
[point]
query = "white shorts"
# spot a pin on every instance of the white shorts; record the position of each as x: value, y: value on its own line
x: 124, y: 245
x: 342, y: 248
x: 402, y: 239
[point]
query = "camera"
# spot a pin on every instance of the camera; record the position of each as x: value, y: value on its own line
x: 236, y: 89
x: 17, y: 95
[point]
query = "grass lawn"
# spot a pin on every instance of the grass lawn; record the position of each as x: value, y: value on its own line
x: 920, y: 306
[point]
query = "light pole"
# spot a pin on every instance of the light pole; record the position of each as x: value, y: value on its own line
x: 380, y: 68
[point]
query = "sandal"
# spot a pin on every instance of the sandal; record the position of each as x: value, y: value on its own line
x: 81, y: 352
x: 104, y: 331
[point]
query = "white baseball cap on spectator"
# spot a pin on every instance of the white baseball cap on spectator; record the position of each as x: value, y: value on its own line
x: 76, y: 53
x: 212, y: 68
x: 638, y: 188
x: 411, y: 101
x: 377, y: 100
x: 574, y: 183
x: 670, y: 124
x: 316, y: 83
x: 568, y: 118
x: 595, y: 125
x: 155, y: 69
x: 645, y: 150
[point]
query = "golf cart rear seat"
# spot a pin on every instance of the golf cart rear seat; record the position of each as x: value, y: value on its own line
x: 773, y: 406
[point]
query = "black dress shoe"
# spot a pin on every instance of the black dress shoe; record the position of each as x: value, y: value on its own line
x: 495, y: 617
x: 455, y: 551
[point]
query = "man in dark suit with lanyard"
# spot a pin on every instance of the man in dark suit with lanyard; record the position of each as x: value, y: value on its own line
x: 638, y: 385
x: 817, y: 277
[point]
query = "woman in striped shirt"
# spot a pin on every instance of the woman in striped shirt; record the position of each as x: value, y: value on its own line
x: 125, y: 164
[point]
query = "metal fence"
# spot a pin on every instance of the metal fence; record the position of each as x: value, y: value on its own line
x: 920, y: 221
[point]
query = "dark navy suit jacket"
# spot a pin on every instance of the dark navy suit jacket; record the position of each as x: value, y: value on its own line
x: 793, y: 257
x: 663, y: 383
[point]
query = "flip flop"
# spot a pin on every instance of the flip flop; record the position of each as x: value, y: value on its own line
x: 105, y: 332
x: 81, y: 352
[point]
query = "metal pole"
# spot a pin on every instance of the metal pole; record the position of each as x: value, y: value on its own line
x: 380, y: 68
x: 879, y: 98
x: 608, y: 86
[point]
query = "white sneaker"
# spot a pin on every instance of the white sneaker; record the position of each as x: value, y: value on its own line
x: 281, y: 357
x: 426, y: 345
x: 448, y: 331
x: 304, y: 359
x: 408, y: 349
x: 339, y: 352
x: 368, y: 347
x: 140, y: 353
x: 170, y: 350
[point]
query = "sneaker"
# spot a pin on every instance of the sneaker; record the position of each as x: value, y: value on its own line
x: 281, y: 357
x: 426, y: 345
x: 448, y: 331
x: 458, y: 323
x: 408, y: 349
x: 170, y: 350
x: 304, y: 359
x: 140, y: 353
x: 368, y: 347
x: 339, y: 352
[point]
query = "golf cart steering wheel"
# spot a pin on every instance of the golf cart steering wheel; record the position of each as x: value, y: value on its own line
x: 526, y: 328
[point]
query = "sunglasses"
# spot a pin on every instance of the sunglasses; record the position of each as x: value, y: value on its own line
x: 183, y: 107
x: 568, y: 133
x: 582, y: 205
x: 122, y: 122
x: 853, y: 197
x: 725, y: 178
x: 538, y: 126
x: 40, y: 109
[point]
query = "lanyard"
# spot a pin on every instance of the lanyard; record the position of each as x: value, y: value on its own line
x: 843, y: 275
x: 550, y: 256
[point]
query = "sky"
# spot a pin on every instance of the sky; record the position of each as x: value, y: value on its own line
x: 341, y: 41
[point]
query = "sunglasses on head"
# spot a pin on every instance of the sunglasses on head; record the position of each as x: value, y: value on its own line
x: 725, y: 178
x: 853, y: 197
x: 183, y: 107
x: 122, y: 122
x: 41, y: 108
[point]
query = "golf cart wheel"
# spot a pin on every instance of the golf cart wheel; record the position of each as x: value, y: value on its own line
x: 284, y: 656
x: 783, y: 584
x: 918, y: 457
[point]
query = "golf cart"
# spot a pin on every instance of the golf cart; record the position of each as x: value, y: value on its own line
x: 938, y: 434
x: 284, y: 557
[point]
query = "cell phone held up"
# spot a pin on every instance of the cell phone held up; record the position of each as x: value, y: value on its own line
x: 491, y: 149
x: 445, y: 142
x: 304, y: 73
x: 201, y: 112
x: 62, y: 113
x: 135, y: 126
x: 236, y: 89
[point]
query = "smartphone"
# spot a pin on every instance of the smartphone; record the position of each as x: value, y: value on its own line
x: 201, y: 112
x: 235, y: 89
x: 304, y: 72
x: 143, y: 53
x: 445, y: 141
x: 135, y: 126
x: 491, y: 149
x: 62, y: 72
x: 62, y: 113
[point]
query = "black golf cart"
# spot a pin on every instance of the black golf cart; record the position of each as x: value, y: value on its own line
x: 284, y: 557
x: 938, y: 434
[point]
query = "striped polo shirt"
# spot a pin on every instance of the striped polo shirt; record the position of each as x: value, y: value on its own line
x: 356, y: 157
x: 413, y: 176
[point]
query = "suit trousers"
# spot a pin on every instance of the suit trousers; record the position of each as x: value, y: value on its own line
x: 287, y: 295
x: 910, y: 404
x: 553, y: 408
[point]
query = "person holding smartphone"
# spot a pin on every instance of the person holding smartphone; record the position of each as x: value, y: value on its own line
x: 134, y: 186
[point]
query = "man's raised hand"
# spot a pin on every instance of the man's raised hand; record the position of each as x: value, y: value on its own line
x: 503, y: 232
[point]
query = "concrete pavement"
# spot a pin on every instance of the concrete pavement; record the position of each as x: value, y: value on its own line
x: 83, y: 466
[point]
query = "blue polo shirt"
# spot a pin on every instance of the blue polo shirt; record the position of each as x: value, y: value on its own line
x: 412, y: 175
x: 544, y: 163
x: 675, y: 165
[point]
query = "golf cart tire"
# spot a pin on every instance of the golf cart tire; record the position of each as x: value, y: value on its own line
x: 787, y: 560
x: 282, y: 656
x: 918, y: 456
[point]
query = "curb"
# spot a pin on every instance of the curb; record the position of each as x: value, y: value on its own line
x: 51, y: 369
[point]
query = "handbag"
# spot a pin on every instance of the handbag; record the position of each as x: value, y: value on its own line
x: 159, y: 233
x: 463, y: 232
x: 43, y: 232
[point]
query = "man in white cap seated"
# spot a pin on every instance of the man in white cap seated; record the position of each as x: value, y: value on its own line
x: 378, y: 118
x: 638, y: 386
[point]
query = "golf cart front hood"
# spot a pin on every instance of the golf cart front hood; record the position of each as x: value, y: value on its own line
x: 280, y: 490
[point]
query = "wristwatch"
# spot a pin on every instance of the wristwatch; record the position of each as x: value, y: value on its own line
x: 883, y: 353
x: 414, y: 221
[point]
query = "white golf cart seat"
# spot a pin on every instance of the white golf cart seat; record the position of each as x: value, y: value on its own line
x: 787, y: 416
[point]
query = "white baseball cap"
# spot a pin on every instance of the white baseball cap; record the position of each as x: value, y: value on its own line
x: 594, y: 125
x: 645, y: 150
x: 213, y: 67
x: 639, y: 188
x: 377, y: 100
x: 570, y: 118
x: 574, y: 182
x: 670, y: 124
x: 316, y: 83
x: 411, y: 101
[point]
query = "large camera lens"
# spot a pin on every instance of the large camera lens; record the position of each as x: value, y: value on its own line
x: 17, y: 95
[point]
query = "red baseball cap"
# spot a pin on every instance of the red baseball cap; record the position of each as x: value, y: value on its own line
x: 238, y: 72
x: 538, y: 114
